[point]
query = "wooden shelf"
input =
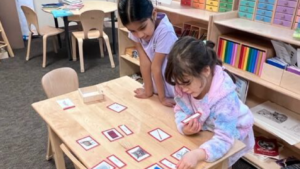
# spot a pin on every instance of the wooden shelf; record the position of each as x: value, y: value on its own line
x: 256, y: 79
x: 190, y: 12
x: 131, y: 59
x: 124, y: 30
x: 261, y: 29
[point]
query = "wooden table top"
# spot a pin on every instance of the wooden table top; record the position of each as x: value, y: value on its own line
x: 106, y: 7
x: 141, y: 116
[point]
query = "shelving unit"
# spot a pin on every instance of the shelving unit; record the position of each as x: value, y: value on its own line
x: 260, y: 90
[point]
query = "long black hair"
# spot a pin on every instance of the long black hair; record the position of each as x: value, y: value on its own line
x: 134, y: 10
x: 189, y: 56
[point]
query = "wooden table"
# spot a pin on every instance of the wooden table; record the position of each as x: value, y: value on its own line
x: 106, y: 7
x: 141, y: 116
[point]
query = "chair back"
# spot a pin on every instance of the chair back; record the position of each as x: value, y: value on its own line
x: 60, y: 81
x: 31, y: 18
x: 92, y: 20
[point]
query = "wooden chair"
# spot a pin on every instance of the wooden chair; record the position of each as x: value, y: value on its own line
x: 5, y: 42
x: 45, y: 32
x: 75, y: 161
x: 55, y: 83
x: 92, y: 24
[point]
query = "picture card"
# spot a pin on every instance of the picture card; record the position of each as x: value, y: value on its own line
x: 116, y: 161
x: 168, y: 163
x: 117, y: 107
x: 112, y: 134
x: 65, y: 104
x: 103, y: 165
x: 190, y: 118
x: 154, y: 166
x: 159, y: 134
x: 125, y: 129
x: 138, y: 153
x: 180, y: 153
x: 88, y: 143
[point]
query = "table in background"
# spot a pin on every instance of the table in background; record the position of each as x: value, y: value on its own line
x: 141, y: 116
x: 106, y: 7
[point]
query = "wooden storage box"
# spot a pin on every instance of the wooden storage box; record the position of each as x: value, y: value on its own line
x: 290, y: 81
x: 271, y: 73
x: 92, y: 93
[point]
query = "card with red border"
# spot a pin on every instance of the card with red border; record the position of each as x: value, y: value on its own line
x: 180, y: 153
x: 159, y: 134
x: 154, y: 166
x: 168, y: 163
x: 116, y: 161
x: 66, y: 104
x: 103, y: 165
x: 266, y: 146
x: 116, y: 107
x: 112, y: 134
x: 125, y: 129
x: 138, y: 153
x: 87, y: 143
x: 190, y: 118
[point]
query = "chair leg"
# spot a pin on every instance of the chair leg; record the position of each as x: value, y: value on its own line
x: 28, y: 45
x: 49, y: 154
x: 54, y: 44
x: 74, y: 48
x: 101, y: 47
x: 80, y: 46
x: 44, y: 50
x: 112, y: 63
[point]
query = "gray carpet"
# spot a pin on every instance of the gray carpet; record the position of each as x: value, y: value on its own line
x: 23, y: 134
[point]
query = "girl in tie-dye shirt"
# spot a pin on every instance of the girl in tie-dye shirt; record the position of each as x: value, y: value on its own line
x: 203, y: 86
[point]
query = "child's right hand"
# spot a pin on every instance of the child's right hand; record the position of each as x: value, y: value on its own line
x: 192, y: 127
x: 141, y: 93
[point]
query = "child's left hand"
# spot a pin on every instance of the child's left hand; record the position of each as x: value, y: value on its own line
x: 191, y: 159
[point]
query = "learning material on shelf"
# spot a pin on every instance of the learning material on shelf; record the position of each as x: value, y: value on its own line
x: 278, y: 62
x: 242, y: 86
x: 278, y: 120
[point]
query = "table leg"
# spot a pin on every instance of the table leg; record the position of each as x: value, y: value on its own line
x: 58, y: 154
x: 67, y: 37
x: 113, y: 31
x: 58, y: 36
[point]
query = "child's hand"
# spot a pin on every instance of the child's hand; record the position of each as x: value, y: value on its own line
x: 191, y: 159
x: 168, y: 102
x: 141, y: 93
x: 192, y: 127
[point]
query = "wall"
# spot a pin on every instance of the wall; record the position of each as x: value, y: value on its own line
x: 10, y: 21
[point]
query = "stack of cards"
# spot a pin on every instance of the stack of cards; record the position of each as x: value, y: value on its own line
x: 159, y: 134
x: 65, y: 104
x: 112, y: 134
x: 190, y: 118
x: 138, y: 154
x: 117, y: 107
x: 87, y: 143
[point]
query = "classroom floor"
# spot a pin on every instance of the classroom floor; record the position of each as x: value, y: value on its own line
x: 23, y: 134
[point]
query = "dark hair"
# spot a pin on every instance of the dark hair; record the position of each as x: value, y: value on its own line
x: 190, y: 56
x: 134, y: 10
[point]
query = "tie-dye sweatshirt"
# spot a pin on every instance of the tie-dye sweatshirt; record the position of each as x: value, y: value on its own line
x: 222, y: 112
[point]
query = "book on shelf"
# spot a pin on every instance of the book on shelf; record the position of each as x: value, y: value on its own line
x: 52, y: 5
x: 242, y: 86
x: 277, y: 62
x: 293, y: 69
x: 278, y: 120
x: 266, y: 146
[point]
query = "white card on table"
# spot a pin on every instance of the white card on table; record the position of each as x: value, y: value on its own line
x: 190, y: 118
x: 87, y: 143
x: 168, y: 164
x: 115, y: 160
x: 180, y: 153
x: 138, y: 153
x: 159, y: 134
x: 103, y: 165
x: 112, y: 134
x: 125, y: 129
x: 65, y: 103
x: 154, y: 166
x: 117, y: 107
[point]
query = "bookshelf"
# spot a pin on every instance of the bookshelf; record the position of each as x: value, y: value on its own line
x: 260, y: 90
